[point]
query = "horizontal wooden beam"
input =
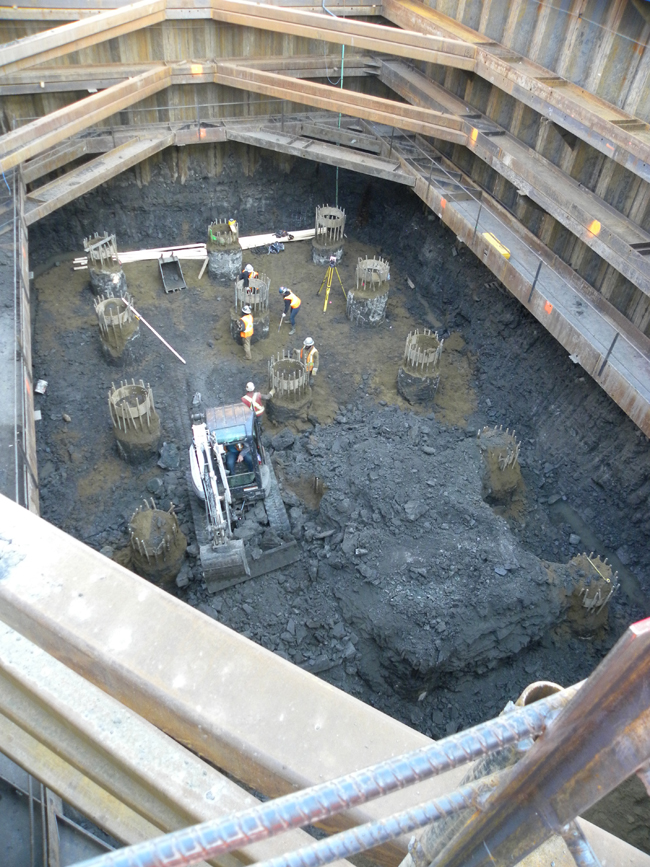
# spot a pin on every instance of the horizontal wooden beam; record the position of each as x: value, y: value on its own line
x: 80, y: 34
x: 359, y: 34
x: 70, y: 186
x: 34, y: 138
x: 423, y: 121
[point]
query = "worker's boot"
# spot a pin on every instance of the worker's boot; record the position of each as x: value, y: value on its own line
x: 293, y: 331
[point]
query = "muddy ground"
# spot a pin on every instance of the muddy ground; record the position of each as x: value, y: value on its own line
x: 425, y: 601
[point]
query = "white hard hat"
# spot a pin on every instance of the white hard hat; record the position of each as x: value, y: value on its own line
x: 250, y: 386
x: 249, y: 268
x: 309, y: 341
x: 245, y: 309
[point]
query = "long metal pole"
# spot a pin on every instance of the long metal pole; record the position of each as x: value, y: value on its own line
x: 153, y: 330
x: 215, y: 837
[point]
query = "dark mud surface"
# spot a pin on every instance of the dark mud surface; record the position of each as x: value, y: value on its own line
x: 423, y: 600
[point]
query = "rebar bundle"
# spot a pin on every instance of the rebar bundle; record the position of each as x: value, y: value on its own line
x: 422, y: 351
x: 256, y: 295
x: 131, y: 406
x: 287, y: 375
x: 330, y: 225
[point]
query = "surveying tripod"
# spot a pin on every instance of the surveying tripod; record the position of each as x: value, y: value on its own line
x: 327, y: 282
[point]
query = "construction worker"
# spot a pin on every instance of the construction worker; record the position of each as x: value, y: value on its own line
x: 248, y: 273
x: 291, y: 306
x: 237, y: 453
x: 309, y: 357
x: 246, y: 330
x: 255, y: 399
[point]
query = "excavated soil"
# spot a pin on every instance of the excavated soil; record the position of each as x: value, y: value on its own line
x: 412, y: 592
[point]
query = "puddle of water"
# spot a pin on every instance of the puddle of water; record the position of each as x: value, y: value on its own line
x: 562, y: 513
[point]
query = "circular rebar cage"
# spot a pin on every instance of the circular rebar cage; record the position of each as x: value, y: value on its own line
x: 373, y: 275
x: 132, y: 407
x: 287, y: 375
x: 256, y: 295
x: 102, y: 252
x: 113, y: 312
x: 503, y: 443
x: 153, y: 532
x: 330, y: 225
x: 422, y: 352
x: 223, y: 232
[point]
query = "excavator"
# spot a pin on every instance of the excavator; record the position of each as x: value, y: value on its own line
x: 227, y: 494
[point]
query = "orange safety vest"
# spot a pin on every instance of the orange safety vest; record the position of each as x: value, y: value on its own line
x: 254, y: 402
x: 309, y: 361
x: 295, y: 301
x: 248, y: 326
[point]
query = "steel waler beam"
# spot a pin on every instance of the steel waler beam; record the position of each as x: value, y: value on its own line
x: 359, y: 34
x: 589, y: 117
x: 32, y: 139
x: 373, y: 108
x: 80, y: 34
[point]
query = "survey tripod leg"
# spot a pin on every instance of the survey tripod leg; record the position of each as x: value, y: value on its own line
x: 327, y: 282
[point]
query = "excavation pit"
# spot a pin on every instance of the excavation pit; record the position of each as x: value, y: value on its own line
x: 392, y: 641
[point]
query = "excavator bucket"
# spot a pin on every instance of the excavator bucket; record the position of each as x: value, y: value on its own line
x: 225, y: 565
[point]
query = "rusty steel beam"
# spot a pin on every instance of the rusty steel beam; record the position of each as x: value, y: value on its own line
x: 323, y: 152
x: 626, y: 381
x: 80, y: 34
x: 600, y: 739
x: 373, y: 37
x: 589, y: 117
x: 34, y: 138
x: 390, y: 112
x: 597, y: 224
x: 54, y: 159
x: 129, y: 774
x: 48, y: 198
x: 92, y: 77
x: 252, y: 714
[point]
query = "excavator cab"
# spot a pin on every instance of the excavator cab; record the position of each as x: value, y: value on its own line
x: 236, y: 425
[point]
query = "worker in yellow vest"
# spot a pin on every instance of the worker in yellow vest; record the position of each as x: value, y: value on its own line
x: 246, y: 330
x: 309, y: 357
x: 291, y: 306
x: 255, y: 399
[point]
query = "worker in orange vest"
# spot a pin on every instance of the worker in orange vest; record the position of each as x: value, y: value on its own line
x: 309, y: 357
x: 255, y: 399
x: 246, y: 330
x: 246, y: 275
x: 291, y: 305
